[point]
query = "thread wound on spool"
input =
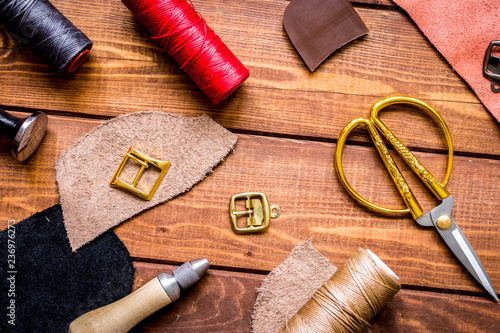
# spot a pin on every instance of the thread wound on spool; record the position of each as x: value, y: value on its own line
x: 48, y: 33
x: 348, y: 300
x: 186, y: 37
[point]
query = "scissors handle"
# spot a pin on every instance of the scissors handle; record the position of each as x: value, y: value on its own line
x: 374, y: 125
x: 398, y: 179
x: 436, y: 188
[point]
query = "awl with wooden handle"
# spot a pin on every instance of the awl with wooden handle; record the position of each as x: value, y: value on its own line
x: 125, y: 313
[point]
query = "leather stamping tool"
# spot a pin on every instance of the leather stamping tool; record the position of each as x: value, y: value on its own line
x: 257, y: 209
x: 25, y: 133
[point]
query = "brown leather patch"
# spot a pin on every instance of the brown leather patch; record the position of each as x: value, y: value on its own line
x: 319, y: 27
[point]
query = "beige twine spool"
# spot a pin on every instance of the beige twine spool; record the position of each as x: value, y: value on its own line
x: 349, y: 299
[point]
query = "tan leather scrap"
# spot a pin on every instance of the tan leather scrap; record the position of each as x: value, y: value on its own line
x: 193, y: 146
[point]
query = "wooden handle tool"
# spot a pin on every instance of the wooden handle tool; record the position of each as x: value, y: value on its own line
x: 125, y: 313
x: 25, y: 133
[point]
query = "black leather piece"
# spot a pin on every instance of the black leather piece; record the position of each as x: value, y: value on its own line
x: 52, y: 285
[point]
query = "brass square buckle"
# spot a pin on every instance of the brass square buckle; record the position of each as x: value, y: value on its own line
x: 258, y: 211
x: 144, y: 161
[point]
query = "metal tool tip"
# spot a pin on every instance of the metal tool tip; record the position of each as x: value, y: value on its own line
x: 489, y: 288
x: 200, y: 266
x: 190, y: 272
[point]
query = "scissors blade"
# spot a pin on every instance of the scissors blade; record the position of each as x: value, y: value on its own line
x: 460, y: 246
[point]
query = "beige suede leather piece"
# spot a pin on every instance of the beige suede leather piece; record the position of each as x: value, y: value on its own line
x: 194, y: 146
x: 289, y: 286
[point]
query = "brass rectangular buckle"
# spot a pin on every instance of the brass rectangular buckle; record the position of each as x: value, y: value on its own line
x: 144, y: 161
x: 258, y: 211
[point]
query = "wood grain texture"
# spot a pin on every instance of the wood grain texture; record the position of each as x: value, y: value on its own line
x: 298, y: 176
x: 128, y: 72
x: 220, y: 302
x: 287, y: 120
x: 223, y: 301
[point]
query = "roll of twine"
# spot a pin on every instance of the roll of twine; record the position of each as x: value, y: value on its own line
x: 186, y: 37
x: 348, y: 300
x: 47, y: 32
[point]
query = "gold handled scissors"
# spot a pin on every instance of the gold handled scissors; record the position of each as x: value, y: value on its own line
x: 439, y: 217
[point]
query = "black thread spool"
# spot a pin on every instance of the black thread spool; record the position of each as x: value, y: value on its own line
x: 49, y: 34
x: 25, y: 133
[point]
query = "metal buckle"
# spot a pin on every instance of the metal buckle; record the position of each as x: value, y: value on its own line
x: 144, y: 161
x: 491, y: 67
x: 258, y: 209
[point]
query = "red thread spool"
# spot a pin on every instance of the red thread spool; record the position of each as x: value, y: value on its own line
x: 186, y: 37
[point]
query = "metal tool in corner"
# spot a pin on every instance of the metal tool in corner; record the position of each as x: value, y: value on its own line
x: 257, y: 209
x: 25, y: 133
x: 122, y: 315
x: 491, y: 66
x: 439, y: 217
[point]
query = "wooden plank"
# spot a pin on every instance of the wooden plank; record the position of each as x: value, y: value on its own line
x: 223, y: 301
x: 127, y: 72
x: 298, y: 176
x: 302, y: 182
x: 220, y: 302
x: 287, y: 120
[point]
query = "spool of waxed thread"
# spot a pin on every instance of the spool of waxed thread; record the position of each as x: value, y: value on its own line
x: 47, y: 32
x: 349, y: 299
x: 186, y: 37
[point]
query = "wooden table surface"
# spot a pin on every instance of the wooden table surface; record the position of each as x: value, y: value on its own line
x: 287, y: 120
